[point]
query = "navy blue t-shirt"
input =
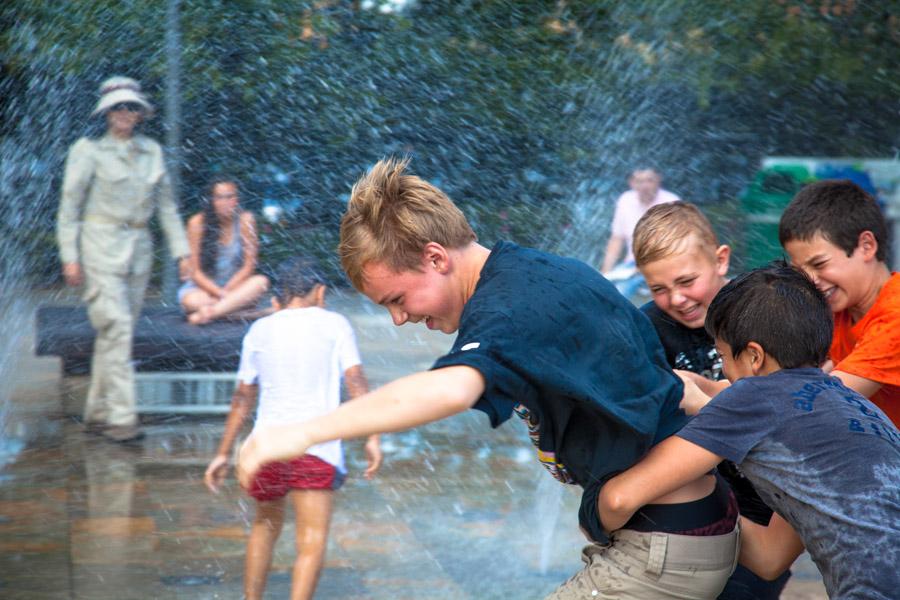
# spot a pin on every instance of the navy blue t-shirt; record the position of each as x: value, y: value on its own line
x: 558, y: 344
x: 827, y: 460
x: 686, y: 348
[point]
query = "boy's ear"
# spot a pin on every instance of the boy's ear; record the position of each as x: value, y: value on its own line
x: 435, y: 256
x: 867, y: 244
x: 723, y: 258
x: 757, y: 356
x: 275, y: 303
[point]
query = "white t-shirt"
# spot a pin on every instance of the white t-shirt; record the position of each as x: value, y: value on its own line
x: 297, y: 356
x: 630, y: 209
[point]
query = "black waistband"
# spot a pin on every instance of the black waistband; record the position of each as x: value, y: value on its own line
x: 689, y: 517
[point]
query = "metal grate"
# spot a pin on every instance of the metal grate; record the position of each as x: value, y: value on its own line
x: 186, y: 393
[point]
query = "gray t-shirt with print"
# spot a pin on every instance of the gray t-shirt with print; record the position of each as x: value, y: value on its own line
x: 824, y: 458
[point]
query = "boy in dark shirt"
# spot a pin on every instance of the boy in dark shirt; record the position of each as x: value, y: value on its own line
x: 822, y: 456
x: 680, y: 257
x: 545, y: 338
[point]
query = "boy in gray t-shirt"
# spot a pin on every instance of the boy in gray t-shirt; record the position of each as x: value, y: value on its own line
x: 822, y: 456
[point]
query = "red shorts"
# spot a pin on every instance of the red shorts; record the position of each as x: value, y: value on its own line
x: 308, y: 472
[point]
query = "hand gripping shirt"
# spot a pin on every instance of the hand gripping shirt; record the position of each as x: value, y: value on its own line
x: 827, y: 460
x: 558, y: 344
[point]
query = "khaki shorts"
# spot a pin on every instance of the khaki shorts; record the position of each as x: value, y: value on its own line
x: 653, y: 566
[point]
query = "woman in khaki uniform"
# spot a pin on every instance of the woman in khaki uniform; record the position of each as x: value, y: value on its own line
x: 111, y: 187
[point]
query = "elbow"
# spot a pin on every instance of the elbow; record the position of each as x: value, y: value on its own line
x: 612, y: 501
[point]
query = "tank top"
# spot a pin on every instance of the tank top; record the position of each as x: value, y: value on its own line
x: 230, y: 256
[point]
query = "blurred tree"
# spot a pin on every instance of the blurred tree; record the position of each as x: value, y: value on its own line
x: 529, y: 114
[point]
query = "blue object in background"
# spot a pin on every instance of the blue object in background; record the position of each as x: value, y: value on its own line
x: 857, y: 176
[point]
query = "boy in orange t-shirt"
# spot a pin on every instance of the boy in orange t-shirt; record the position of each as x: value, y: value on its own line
x: 835, y: 232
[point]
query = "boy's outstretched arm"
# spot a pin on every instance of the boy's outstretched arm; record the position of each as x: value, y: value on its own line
x: 242, y: 402
x: 407, y: 402
x: 358, y: 385
x: 670, y: 465
x: 769, y: 550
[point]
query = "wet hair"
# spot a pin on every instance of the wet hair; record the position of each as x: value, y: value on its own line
x: 838, y: 210
x: 297, y: 277
x: 212, y: 228
x: 663, y: 230
x: 779, y: 308
x: 390, y: 218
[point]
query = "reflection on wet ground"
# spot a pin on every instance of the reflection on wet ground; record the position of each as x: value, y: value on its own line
x: 458, y: 511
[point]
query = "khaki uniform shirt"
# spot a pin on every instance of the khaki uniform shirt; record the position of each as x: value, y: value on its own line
x: 110, y: 190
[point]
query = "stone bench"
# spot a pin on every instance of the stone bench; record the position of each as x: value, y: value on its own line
x: 181, y: 368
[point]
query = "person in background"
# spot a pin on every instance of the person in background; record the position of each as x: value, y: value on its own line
x: 224, y: 246
x: 111, y: 188
x: 293, y: 361
x: 645, y: 193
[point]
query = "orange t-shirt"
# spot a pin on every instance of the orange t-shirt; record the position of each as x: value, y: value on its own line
x: 870, y: 348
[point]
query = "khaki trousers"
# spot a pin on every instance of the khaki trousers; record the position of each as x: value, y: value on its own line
x: 653, y: 566
x: 114, y: 303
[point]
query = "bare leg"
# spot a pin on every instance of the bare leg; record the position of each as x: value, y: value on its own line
x: 263, y: 533
x: 313, y: 515
x: 245, y: 294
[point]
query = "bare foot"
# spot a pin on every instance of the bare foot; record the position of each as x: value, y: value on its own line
x: 201, y: 316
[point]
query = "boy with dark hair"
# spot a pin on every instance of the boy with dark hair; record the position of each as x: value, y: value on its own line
x: 685, y: 266
x: 836, y: 232
x: 542, y: 337
x: 824, y: 457
x: 294, y: 360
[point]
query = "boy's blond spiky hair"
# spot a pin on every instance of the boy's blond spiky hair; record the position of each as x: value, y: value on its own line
x: 390, y: 218
x: 663, y: 229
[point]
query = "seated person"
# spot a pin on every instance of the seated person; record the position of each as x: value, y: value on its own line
x: 224, y: 245
x: 645, y: 193
x: 835, y: 232
x: 820, y: 454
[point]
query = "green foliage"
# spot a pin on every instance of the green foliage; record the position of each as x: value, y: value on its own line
x: 529, y: 114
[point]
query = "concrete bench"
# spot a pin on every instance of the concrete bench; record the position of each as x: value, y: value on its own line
x: 163, y: 340
x: 181, y: 368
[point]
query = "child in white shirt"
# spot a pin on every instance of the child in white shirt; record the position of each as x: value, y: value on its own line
x: 293, y: 361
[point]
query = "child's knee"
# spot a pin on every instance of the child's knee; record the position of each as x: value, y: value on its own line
x: 312, y: 538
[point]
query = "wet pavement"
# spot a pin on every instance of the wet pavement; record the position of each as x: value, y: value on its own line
x: 458, y: 511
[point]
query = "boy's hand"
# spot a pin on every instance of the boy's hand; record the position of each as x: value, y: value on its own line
x: 694, y: 399
x: 373, y: 454
x: 269, y: 444
x: 215, y: 473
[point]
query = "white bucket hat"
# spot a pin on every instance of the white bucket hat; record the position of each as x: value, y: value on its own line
x: 121, y: 89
